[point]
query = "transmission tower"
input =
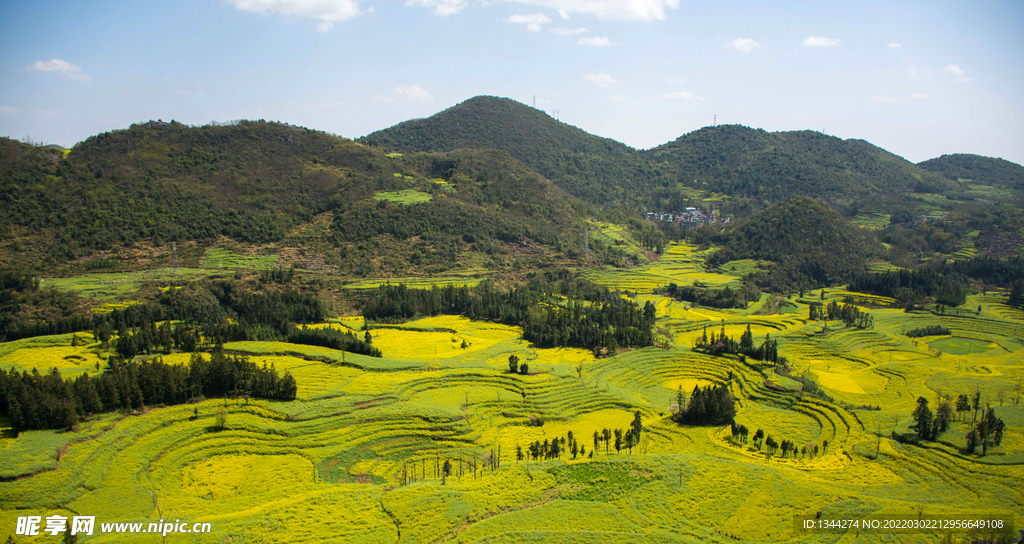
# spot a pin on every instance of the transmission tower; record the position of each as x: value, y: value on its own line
x: 556, y: 112
x: 174, y: 247
x: 586, y: 240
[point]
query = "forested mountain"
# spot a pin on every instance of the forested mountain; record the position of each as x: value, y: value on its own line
x: 811, y: 244
x: 257, y: 181
x: 999, y: 172
x: 742, y: 161
x: 597, y: 169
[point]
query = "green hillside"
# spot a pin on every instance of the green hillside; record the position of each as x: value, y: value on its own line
x: 597, y: 169
x: 742, y: 161
x: 259, y: 183
x: 810, y: 242
x: 977, y: 168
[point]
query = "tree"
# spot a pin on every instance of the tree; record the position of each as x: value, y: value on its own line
x: 513, y: 363
x: 923, y: 418
x: 972, y: 440
x: 637, y: 426
x: 618, y: 440
x: 976, y: 404
x: 597, y: 438
x: 368, y: 338
x: 222, y: 420
x: 963, y: 404
x: 944, y: 414
x: 758, y: 437
x: 446, y: 470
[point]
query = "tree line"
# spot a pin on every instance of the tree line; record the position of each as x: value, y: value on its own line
x: 768, y: 351
x: 710, y: 405
x: 554, y: 309
x: 557, y: 447
x: 31, y: 400
x: 725, y: 297
x: 740, y: 434
x: 850, y: 314
x: 988, y: 431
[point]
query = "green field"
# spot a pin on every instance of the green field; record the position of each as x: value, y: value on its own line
x: 354, y: 458
x: 404, y: 197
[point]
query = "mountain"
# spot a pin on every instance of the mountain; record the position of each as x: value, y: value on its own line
x: 258, y: 183
x: 978, y: 169
x: 741, y: 161
x: 811, y: 244
x: 596, y: 169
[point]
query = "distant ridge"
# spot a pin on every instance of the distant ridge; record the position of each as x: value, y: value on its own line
x: 597, y: 169
x: 977, y: 168
x: 811, y: 244
x: 739, y: 160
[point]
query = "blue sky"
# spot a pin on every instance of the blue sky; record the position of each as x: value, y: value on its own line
x: 919, y: 79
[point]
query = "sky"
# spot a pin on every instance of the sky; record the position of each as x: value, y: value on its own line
x: 920, y: 79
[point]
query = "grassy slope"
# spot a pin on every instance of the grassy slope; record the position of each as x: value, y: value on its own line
x: 739, y: 160
x: 597, y: 169
x: 132, y: 192
x: 284, y: 469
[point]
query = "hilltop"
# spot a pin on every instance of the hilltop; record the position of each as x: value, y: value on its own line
x: 259, y: 183
x: 976, y: 168
x: 810, y: 243
x: 596, y: 169
x: 741, y: 161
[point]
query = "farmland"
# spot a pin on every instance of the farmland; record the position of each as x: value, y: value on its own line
x: 357, y: 456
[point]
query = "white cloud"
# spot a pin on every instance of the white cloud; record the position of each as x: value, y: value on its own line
x: 191, y: 93
x: 616, y: 98
x: 684, y: 95
x: 671, y: 81
x: 63, y: 68
x: 7, y: 110
x: 632, y: 10
x: 818, y: 41
x: 744, y: 44
x: 414, y: 94
x: 567, y: 31
x: 601, y: 80
x: 532, y: 21
x: 956, y: 72
x: 885, y: 99
x: 440, y: 7
x: 328, y: 11
x: 920, y: 96
x: 894, y: 45
x: 594, y: 42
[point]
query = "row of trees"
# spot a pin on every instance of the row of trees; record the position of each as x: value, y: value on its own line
x: 710, y: 405
x: 725, y: 297
x: 557, y: 447
x: 912, y: 286
x: 30, y: 400
x: 931, y: 330
x: 740, y: 434
x: 716, y: 345
x: 554, y: 309
x: 850, y: 314
x: 984, y: 432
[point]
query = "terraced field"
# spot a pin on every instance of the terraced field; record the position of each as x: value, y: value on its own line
x: 358, y: 456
